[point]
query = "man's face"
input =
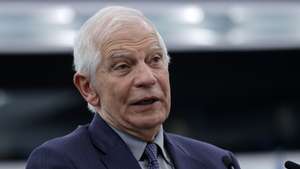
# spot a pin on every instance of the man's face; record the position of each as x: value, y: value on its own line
x: 132, y: 80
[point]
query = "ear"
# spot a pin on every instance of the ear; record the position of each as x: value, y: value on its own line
x: 86, y: 89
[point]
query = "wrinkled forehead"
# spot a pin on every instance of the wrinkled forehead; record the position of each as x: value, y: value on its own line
x: 128, y: 32
x: 118, y: 28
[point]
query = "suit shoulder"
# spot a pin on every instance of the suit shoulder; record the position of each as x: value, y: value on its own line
x: 57, y: 152
x: 209, y: 154
x: 69, y: 141
x: 68, y: 146
x: 196, y: 146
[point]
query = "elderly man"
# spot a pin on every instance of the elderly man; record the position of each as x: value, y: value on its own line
x: 121, y: 65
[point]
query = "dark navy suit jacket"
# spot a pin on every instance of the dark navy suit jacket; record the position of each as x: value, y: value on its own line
x: 97, y: 146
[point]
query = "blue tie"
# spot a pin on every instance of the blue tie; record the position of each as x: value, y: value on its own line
x: 151, y: 153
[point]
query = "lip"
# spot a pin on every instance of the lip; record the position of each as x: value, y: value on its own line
x: 143, y: 108
x: 135, y: 101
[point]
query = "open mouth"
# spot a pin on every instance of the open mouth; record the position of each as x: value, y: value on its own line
x: 146, y: 101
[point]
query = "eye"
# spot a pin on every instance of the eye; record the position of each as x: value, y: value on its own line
x: 157, y: 58
x: 121, y: 67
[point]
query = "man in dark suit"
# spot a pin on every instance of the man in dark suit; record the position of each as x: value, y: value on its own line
x: 121, y: 65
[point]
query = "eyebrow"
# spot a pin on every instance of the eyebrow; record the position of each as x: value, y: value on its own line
x: 156, y: 46
x: 119, y: 54
x: 155, y: 49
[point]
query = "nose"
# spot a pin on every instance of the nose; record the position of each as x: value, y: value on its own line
x: 144, y: 77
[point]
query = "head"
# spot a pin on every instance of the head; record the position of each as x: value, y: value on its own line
x: 121, y: 65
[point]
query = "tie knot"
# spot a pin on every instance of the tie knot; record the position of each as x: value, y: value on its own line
x: 151, y: 153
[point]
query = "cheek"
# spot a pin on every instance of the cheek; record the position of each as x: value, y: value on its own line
x: 165, y: 82
x: 165, y: 87
x: 118, y: 91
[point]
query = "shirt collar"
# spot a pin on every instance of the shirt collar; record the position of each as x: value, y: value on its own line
x: 159, y: 140
x: 138, y: 146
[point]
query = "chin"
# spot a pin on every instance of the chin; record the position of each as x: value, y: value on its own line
x: 149, y: 122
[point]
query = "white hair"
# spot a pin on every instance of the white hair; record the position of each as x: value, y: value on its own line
x: 95, y: 30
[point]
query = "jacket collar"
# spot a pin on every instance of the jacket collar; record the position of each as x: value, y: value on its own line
x: 180, y: 156
x: 109, y: 142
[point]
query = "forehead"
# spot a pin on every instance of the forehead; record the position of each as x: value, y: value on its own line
x: 137, y: 36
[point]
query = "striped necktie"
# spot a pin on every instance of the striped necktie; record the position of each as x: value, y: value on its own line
x: 151, y: 153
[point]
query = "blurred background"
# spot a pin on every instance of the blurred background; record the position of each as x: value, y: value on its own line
x: 234, y: 74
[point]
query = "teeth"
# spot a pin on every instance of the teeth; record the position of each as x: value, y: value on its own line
x: 145, y: 102
x: 148, y: 101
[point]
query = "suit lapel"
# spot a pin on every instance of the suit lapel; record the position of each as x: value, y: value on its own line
x: 116, y: 154
x: 119, y: 158
x: 181, y: 157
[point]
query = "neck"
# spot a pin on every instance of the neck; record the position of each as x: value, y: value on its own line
x: 145, y: 134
